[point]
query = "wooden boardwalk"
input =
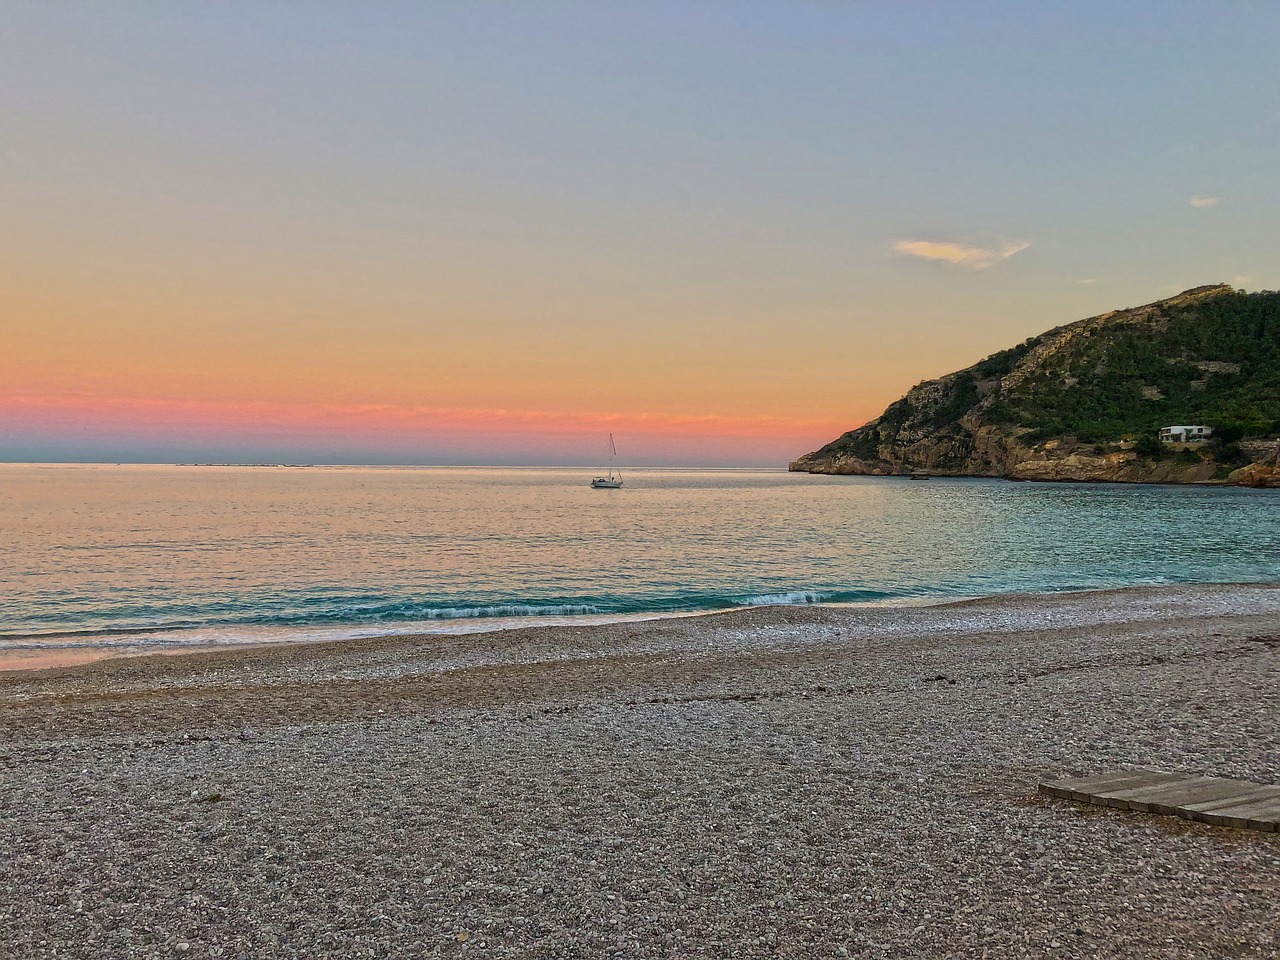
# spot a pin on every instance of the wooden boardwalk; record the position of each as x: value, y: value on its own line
x: 1224, y: 803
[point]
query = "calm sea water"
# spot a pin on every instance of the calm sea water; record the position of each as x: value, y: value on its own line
x: 130, y: 557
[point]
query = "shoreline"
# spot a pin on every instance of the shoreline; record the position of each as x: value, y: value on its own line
x: 1060, y: 481
x: 764, y: 782
x: 12, y: 657
x: 35, y: 656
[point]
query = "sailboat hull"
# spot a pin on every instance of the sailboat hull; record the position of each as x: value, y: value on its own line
x: 614, y: 480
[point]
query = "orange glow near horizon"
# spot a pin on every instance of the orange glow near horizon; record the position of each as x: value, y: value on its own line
x: 418, y: 431
x: 475, y: 232
x: 104, y: 373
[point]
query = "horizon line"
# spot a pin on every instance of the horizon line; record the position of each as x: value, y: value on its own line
x: 443, y: 466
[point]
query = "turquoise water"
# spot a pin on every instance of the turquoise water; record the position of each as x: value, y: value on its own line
x: 145, y: 555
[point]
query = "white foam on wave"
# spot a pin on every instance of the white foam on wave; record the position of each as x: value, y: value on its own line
x: 513, y: 610
x: 772, y: 599
x: 39, y: 652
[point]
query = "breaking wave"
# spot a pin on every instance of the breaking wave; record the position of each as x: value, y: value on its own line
x: 795, y: 597
x: 366, y: 615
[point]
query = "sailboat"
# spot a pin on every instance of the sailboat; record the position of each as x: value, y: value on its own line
x: 614, y: 480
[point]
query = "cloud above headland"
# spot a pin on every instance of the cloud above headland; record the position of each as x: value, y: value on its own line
x: 961, y: 254
x: 1200, y: 202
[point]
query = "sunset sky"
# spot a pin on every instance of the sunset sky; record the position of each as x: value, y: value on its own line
x: 495, y: 232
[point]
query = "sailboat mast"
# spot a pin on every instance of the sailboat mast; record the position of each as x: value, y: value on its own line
x: 610, y: 482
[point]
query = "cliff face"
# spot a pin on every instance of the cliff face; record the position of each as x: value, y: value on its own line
x: 1084, y: 402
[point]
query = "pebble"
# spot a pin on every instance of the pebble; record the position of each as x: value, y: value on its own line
x: 697, y: 788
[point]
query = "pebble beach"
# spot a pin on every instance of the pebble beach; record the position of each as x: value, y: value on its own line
x: 772, y: 782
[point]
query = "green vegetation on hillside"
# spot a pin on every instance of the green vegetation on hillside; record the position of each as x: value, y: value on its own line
x: 1215, y: 362
x: 1002, y: 362
x: 1210, y: 355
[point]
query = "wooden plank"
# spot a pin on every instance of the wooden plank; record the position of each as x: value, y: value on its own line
x: 1170, y: 797
x: 1140, y: 796
x: 1244, y: 797
x: 1214, y: 800
x: 1085, y: 788
x: 1263, y: 814
x: 1084, y: 785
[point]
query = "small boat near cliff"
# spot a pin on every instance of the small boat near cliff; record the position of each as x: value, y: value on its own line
x: 612, y: 480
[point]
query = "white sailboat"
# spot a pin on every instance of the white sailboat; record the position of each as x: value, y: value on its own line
x: 613, y: 481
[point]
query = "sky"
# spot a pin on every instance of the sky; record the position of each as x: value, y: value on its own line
x: 493, y: 233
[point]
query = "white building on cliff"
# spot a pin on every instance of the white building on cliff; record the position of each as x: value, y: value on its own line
x: 1185, y: 434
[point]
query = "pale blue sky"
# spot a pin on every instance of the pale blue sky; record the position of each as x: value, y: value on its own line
x: 712, y: 191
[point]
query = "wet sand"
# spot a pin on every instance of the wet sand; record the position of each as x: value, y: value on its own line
x: 781, y: 781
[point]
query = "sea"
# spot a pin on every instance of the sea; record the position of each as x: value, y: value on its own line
x: 100, y: 560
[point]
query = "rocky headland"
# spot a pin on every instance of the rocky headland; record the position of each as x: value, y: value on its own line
x: 1086, y: 401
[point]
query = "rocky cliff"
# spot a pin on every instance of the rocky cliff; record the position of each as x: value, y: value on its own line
x: 1085, y: 402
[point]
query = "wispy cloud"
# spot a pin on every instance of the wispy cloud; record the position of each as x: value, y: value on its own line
x: 1200, y: 202
x: 1088, y: 280
x: 961, y: 254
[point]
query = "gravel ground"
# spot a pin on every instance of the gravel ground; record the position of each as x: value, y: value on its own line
x: 780, y: 782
